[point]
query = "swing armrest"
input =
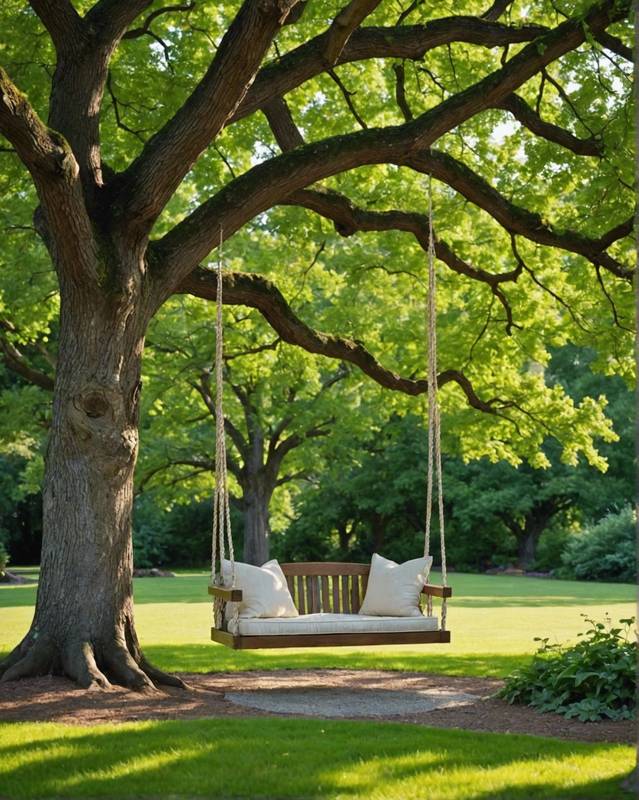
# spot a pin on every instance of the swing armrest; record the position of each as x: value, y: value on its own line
x: 230, y: 595
x: 437, y: 591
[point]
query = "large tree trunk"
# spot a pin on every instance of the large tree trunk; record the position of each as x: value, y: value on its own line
x: 257, y: 528
x: 83, y: 624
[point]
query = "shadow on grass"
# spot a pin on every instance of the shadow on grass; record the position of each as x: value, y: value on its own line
x: 214, y: 658
x: 273, y: 758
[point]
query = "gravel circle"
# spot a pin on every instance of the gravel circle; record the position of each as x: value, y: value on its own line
x: 348, y: 703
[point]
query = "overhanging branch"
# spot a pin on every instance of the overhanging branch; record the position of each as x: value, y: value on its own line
x: 254, y: 291
x: 270, y: 182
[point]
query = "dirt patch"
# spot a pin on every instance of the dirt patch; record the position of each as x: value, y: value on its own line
x: 58, y: 700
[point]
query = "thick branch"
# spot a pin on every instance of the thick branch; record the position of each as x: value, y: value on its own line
x: 348, y: 219
x: 111, y: 18
x: 342, y: 27
x: 241, y: 288
x: 149, y: 182
x: 615, y: 45
x: 270, y: 182
x: 410, y: 42
x: 61, y: 20
x: 531, y: 120
x: 55, y: 173
x: 512, y: 217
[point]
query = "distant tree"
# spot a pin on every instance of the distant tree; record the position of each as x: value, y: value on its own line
x: 278, y: 403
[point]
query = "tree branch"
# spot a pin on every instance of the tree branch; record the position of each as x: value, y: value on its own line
x: 270, y: 182
x: 348, y: 219
x: 409, y: 42
x: 512, y: 217
x: 342, y: 27
x: 529, y: 118
x: 615, y: 45
x: 17, y: 363
x: 149, y: 182
x: 254, y: 291
x: 55, y: 173
x: 62, y: 21
x: 135, y: 33
x: 111, y: 18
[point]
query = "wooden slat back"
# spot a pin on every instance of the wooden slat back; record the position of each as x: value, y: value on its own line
x: 329, y: 587
x: 301, y: 600
x: 325, y: 568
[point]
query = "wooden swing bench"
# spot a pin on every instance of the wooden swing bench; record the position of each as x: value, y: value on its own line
x: 327, y: 588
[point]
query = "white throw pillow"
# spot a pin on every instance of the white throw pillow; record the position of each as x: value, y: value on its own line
x: 265, y: 592
x: 393, y: 589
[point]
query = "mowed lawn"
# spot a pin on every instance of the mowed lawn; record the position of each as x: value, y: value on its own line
x: 494, y: 621
x: 288, y: 758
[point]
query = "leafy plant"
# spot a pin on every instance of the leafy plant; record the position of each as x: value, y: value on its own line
x: 591, y: 680
x: 604, y: 551
x: 4, y: 557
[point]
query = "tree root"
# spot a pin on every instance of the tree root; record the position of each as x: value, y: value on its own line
x: 90, y: 667
x: 36, y: 659
x: 161, y: 678
x: 78, y: 662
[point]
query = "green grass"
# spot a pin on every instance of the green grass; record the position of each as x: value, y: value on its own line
x: 281, y: 758
x: 493, y: 619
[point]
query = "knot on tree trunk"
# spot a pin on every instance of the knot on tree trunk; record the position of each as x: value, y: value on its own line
x: 100, y: 417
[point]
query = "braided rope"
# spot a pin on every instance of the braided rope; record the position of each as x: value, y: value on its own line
x: 221, y: 534
x: 434, y: 421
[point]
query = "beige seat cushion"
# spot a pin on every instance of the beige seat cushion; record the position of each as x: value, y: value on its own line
x: 335, y: 623
x: 393, y: 589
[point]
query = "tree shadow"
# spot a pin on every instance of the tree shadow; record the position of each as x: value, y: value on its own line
x: 215, y: 658
x: 274, y: 758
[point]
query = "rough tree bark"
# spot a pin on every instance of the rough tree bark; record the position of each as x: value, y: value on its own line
x: 97, y: 226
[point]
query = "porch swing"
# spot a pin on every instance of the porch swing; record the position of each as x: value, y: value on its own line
x: 325, y: 592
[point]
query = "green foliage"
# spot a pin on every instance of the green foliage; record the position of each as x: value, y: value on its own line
x: 605, y: 551
x: 4, y: 556
x: 591, y: 680
x: 180, y: 537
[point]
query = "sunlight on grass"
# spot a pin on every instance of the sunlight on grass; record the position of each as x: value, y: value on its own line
x: 493, y: 619
x: 300, y: 758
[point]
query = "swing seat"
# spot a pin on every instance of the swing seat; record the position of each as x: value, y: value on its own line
x: 328, y: 597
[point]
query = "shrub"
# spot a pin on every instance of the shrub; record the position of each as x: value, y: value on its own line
x: 591, y: 680
x: 4, y: 557
x: 604, y: 551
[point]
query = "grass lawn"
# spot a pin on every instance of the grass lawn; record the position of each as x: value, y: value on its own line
x: 493, y: 619
x: 280, y: 758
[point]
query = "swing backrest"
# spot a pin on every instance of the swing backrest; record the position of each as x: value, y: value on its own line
x: 328, y: 586
x: 335, y: 587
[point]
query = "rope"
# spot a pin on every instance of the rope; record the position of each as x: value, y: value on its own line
x: 221, y: 534
x: 434, y: 420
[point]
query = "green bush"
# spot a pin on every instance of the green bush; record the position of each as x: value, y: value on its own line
x: 4, y: 557
x: 591, y: 680
x: 604, y: 551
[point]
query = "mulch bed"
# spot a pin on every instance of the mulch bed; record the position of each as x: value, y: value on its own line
x: 54, y: 699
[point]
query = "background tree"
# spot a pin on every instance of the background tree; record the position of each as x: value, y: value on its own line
x: 278, y: 403
x: 130, y: 205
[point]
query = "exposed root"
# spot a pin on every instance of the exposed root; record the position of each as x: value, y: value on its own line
x: 90, y: 666
x: 78, y: 662
x: 121, y: 664
x: 161, y: 678
x: 14, y: 656
x: 37, y: 660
